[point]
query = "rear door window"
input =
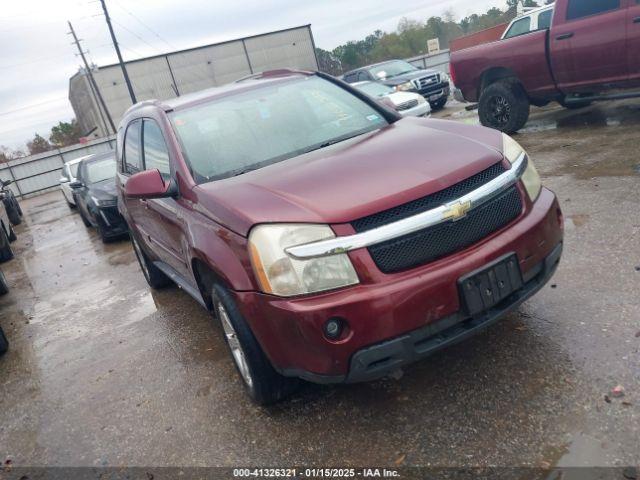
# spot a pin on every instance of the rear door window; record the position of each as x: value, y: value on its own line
x: 544, y: 20
x: 154, y: 147
x: 586, y: 8
x: 519, y: 27
x: 132, y: 154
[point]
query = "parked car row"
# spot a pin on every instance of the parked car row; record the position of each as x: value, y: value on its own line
x: 88, y: 184
x: 10, y: 216
x: 334, y: 240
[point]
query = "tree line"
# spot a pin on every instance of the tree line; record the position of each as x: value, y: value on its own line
x: 62, y: 135
x: 411, y: 36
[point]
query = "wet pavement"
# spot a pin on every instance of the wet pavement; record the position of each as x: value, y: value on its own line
x: 104, y: 372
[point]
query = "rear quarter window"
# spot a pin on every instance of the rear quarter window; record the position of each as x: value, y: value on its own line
x: 586, y: 8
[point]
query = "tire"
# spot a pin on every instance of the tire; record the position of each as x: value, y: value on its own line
x: 438, y: 104
x: 4, y: 286
x: 102, y: 233
x: 504, y: 105
x: 13, y: 213
x: 12, y: 235
x: 86, y: 222
x: 155, y: 277
x: 4, y: 343
x: 70, y: 205
x: 264, y: 385
x: 6, y: 253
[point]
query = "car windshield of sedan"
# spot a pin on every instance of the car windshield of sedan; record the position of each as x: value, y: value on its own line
x: 391, y: 69
x: 235, y: 134
x: 375, y: 89
x: 100, y: 170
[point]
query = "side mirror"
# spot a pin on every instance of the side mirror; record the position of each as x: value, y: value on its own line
x: 149, y: 184
x: 63, y: 180
x: 75, y: 185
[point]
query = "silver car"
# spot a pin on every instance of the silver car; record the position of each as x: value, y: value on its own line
x: 69, y: 173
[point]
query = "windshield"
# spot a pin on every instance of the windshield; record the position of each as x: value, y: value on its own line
x: 392, y: 69
x: 235, y: 134
x: 100, y: 170
x: 375, y: 89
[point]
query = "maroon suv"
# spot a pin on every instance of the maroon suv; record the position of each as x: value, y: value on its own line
x: 335, y: 241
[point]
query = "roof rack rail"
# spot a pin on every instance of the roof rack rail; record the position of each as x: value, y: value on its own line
x: 280, y: 72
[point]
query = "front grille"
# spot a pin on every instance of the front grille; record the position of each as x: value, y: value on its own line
x: 446, y: 238
x: 407, y: 105
x: 425, y: 82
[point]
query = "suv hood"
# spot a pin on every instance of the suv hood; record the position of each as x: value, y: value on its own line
x: 407, y: 160
x: 408, y: 76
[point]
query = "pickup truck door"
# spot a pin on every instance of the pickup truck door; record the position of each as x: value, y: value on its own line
x: 588, y: 44
x: 633, y: 40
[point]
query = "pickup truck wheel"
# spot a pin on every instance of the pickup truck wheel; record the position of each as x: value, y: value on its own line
x: 155, y: 277
x: 504, y: 106
x: 6, y: 253
x: 438, y: 104
x: 4, y: 343
x: 264, y: 384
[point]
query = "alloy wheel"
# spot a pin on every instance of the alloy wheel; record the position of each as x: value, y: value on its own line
x: 234, y: 344
x: 500, y: 110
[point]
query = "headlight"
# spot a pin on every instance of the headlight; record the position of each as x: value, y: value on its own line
x: 282, y: 275
x: 530, y: 178
x: 405, y: 87
x: 104, y: 203
x: 444, y: 77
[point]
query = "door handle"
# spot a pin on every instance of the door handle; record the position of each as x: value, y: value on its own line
x: 564, y: 36
x: 636, y: 20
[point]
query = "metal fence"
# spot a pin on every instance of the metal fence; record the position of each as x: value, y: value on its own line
x: 40, y: 173
x: 437, y: 61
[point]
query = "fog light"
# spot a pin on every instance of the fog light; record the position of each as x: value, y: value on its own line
x: 333, y: 328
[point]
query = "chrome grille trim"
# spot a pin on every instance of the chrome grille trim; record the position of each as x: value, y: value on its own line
x: 412, y: 224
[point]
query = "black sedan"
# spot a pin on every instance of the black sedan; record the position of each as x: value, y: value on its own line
x: 94, y: 192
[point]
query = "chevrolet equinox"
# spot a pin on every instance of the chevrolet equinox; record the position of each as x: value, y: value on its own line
x: 334, y: 240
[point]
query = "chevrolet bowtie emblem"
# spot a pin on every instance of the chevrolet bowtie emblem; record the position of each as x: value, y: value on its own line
x: 457, y: 210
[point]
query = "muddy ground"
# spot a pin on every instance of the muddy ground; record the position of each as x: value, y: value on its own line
x: 104, y: 372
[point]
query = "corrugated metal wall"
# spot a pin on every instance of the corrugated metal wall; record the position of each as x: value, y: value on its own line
x: 173, y: 74
x: 38, y: 173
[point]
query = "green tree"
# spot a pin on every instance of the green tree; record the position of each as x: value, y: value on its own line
x: 65, y: 134
x: 39, y: 144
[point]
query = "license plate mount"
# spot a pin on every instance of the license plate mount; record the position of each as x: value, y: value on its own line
x: 484, y: 288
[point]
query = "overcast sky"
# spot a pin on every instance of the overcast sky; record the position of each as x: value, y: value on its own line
x: 38, y: 58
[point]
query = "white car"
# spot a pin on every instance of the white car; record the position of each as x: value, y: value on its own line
x: 69, y: 172
x: 408, y: 104
x: 531, y: 21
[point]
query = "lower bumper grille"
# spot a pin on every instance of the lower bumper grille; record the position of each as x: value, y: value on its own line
x: 407, y: 105
x: 436, y: 242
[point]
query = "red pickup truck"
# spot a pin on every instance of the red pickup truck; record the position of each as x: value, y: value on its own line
x: 334, y: 240
x: 591, y: 49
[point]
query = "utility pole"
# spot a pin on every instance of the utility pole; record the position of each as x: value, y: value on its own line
x: 115, y: 44
x: 92, y: 81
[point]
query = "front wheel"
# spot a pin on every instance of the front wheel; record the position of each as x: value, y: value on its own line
x: 504, y: 105
x: 155, y: 277
x: 438, y: 104
x: 86, y: 222
x: 264, y: 384
x: 4, y: 343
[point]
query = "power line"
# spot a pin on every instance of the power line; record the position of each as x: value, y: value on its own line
x: 136, y: 35
x: 145, y: 25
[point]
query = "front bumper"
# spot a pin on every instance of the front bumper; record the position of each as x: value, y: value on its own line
x: 434, y: 93
x: 458, y: 95
x: 421, y: 110
x: 111, y: 222
x: 387, y: 308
